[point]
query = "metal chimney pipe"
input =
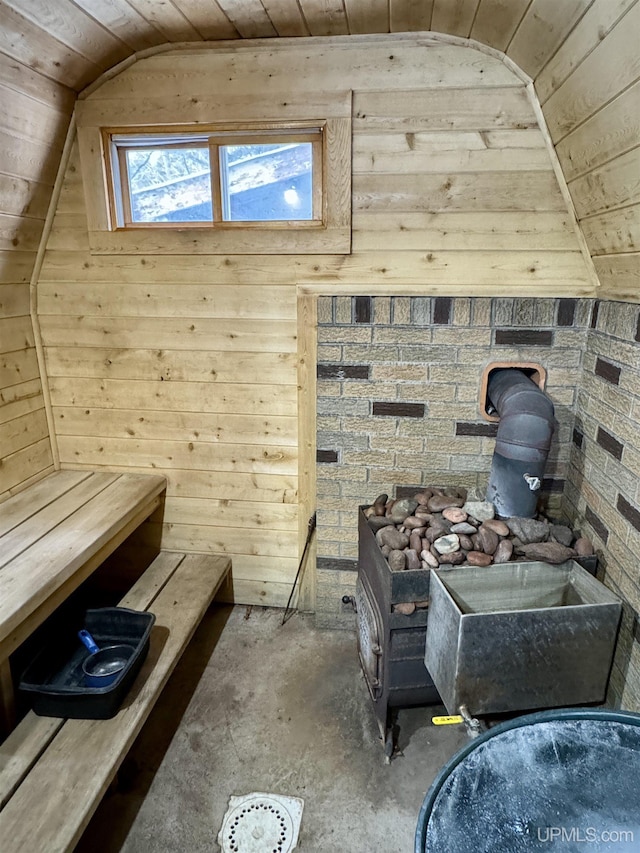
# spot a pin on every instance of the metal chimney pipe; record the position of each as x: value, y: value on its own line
x: 522, y: 444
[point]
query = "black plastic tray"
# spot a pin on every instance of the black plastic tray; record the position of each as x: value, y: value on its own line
x: 54, y: 681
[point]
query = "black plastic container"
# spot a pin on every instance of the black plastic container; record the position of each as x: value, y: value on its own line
x: 54, y: 681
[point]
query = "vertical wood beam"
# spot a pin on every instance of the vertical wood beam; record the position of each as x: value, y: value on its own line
x: 33, y: 287
x: 307, y: 311
x: 7, y: 699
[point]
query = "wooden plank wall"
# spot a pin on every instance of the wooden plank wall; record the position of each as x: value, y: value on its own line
x: 188, y: 364
x: 35, y: 115
x: 590, y: 95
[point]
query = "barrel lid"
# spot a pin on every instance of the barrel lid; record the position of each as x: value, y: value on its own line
x: 557, y: 780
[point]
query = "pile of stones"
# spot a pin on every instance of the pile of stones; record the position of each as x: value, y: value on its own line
x: 440, y: 526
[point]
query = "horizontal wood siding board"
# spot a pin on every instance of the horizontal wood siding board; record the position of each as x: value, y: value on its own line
x: 23, y: 431
x: 218, y: 485
x: 14, y: 299
x: 223, y: 398
x: 225, y: 301
x: 162, y: 454
x: 619, y: 276
x: 480, y: 191
x: 366, y: 66
x: 544, y: 27
x: 239, y: 335
x: 613, y: 231
x: 175, y: 365
x: 502, y: 231
x: 24, y: 196
x: 25, y: 41
x: 609, y: 133
x: 18, y: 367
x: 32, y: 82
x: 228, y: 513
x: 224, y: 428
x: 451, y: 267
x: 20, y: 466
x: 598, y: 20
x: 16, y: 333
x: 445, y: 110
x: 21, y: 397
x: 605, y: 72
x: 616, y: 184
x: 17, y: 232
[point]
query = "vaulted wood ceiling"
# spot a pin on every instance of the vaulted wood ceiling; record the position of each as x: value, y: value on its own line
x: 74, y: 41
x: 581, y: 54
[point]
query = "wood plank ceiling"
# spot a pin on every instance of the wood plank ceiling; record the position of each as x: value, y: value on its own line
x: 74, y: 41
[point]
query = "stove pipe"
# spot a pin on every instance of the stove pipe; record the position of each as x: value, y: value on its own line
x: 522, y: 442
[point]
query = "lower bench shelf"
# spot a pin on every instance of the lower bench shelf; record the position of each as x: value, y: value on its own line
x: 57, y: 771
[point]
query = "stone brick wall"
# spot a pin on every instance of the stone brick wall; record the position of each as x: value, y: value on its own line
x: 398, y: 394
x: 602, y: 492
x: 398, y: 404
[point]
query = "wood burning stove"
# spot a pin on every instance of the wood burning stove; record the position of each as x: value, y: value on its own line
x: 390, y: 645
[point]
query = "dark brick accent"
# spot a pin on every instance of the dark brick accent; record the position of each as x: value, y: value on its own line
x: 407, y: 491
x: 442, y: 310
x: 550, y: 485
x: 523, y: 337
x: 362, y: 309
x: 608, y: 371
x: 597, y: 524
x: 487, y: 429
x: 609, y: 443
x: 343, y: 371
x: 332, y: 564
x: 629, y: 511
x: 566, y: 312
x: 578, y: 438
x: 326, y: 455
x: 594, y: 314
x: 399, y: 410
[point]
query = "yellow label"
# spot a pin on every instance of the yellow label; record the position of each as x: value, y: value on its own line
x: 446, y: 721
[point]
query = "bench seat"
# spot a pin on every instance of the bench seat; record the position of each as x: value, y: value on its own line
x: 53, y: 535
x: 53, y: 773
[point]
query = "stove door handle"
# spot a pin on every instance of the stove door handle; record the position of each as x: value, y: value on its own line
x: 350, y: 599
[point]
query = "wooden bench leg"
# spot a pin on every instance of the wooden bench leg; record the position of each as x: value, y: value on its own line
x: 7, y: 699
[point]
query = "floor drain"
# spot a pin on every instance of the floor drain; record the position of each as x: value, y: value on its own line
x: 261, y: 823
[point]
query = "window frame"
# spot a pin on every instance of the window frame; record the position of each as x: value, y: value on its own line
x: 115, y: 146
x: 331, y: 111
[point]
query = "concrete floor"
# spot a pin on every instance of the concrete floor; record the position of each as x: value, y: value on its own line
x: 256, y: 706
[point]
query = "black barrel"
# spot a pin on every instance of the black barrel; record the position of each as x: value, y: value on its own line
x: 562, y: 781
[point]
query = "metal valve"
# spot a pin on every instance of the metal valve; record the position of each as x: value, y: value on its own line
x: 534, y: 483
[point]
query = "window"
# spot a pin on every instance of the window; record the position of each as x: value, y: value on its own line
x: 216, y: 180
x: 250, y: 186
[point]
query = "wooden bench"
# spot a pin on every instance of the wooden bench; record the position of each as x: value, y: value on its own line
x: 53, y: 773
x: 53, y: 535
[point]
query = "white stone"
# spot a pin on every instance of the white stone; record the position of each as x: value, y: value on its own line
x: 480, y: 510
x: 447, y: 544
